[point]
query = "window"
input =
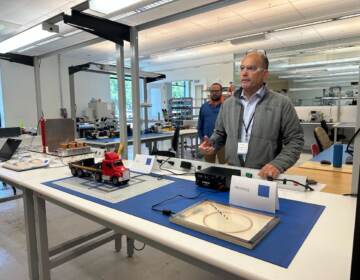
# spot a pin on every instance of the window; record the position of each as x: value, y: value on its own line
x: 180, y: 89
x: 114, y: 96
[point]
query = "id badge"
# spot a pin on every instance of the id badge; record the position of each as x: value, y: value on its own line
x: 242, y: 148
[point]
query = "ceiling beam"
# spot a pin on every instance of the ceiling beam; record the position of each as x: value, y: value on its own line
x: 188, y: 13
x: 177, y: 16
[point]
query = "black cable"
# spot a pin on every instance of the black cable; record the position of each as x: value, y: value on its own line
x: 172, y: 172
x: 306, y: 186
x: 350, y: 152
x: 168, y: 212
x: 139, y: 249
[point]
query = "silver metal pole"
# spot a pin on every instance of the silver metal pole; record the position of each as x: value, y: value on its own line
x: 42, y: 238
x: 135, y: 89
x: 37, y: 62
x: 30, y: 230
x: 60, y: 82
x: 121, y: 97
x: 146, y: 117
x: 72, y: 97
x: 356, y: 159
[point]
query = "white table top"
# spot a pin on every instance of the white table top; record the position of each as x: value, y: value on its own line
x: 325, y: 254
x: 315, y: 123
x: 159, y: 136
x: 345, y: 125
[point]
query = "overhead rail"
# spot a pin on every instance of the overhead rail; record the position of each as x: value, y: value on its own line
x: 110, y: 69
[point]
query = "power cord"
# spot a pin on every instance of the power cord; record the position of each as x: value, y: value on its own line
x: 348, y: 150
x: 170, y: 171
x: 168, y: 212
x: 139, y: 249
x: 284, y: 181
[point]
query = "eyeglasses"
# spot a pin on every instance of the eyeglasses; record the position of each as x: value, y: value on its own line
x: 250, y: 68
x: 263, y: 52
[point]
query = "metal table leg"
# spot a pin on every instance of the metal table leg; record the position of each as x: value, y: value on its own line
x: 335, y: 134
x: 182, y: 146
x: 42, y: 238
x: 118, y: 242
x: 130, y: 247
x: 30, y: 232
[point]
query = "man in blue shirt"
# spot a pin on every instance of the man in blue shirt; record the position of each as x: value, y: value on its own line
x: 207, y: 118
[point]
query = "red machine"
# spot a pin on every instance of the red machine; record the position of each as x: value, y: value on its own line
x: 43, y: 135
x: 110, y: 169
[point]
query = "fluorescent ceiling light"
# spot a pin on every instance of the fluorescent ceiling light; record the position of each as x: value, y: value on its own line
x: 349, y: 16
x: 32, y: 35
x: 306, y: 89
x: 326, y: 79
x: 110, y: 6
x: 248, y: 38
x: 319, y: 76
x: 303, y: 25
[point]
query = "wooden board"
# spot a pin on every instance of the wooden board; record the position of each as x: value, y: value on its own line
x: 336, y: 182
x: 346, y: 168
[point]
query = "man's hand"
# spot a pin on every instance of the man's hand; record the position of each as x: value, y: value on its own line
x: 269, y: 170
x: 206, y: 147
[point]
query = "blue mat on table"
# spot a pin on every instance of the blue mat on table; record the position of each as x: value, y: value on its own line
x: 328, y: 155
x: 279, y: 247
x: 117, y: 139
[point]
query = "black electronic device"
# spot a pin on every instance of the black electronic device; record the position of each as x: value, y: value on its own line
x: 10, y: 131
x: 326, y: 162
x: 218, y: 178
x: 185, y: 164
x: 9, y: 148
x: 349, y: 160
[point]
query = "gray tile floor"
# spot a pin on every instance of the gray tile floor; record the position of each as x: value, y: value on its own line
x: 101, y: 263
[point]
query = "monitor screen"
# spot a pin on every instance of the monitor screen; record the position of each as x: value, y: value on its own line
x: 9, y: 148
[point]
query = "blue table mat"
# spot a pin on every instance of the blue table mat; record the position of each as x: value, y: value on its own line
x: 279, y: 247
x: 117, y: 139
x: 328, y: 155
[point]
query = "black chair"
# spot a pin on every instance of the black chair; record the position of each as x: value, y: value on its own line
x: 174, y: 146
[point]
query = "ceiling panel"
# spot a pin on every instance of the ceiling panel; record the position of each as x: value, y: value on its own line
x: 320, y: 8
x: 297, y: 36
x: 258, y: 6
x: 339, y: 29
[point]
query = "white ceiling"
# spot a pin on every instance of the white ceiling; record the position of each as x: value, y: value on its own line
x: 165, y: 46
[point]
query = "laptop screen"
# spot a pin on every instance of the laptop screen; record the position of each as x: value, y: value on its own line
x: 9, y: 148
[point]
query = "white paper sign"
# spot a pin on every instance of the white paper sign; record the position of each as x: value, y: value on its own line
x: 142, y: 163
x: 254, y: 193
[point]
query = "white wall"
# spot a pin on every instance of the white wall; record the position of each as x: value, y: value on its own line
x: 207, y: 74
x: 19, y: 90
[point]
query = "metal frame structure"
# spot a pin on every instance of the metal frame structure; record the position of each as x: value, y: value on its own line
x: 121, y: 72
x: 42, y: 258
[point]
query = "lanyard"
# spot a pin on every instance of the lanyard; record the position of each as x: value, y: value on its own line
x: 248, y: 126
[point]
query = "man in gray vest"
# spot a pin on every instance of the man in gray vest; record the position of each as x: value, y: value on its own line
x: 259, y: 128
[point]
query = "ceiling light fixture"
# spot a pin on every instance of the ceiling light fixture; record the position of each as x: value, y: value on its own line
x: 248, y: 38
x: 110, y: 6
x: 29, y: 36
x: 303, y: 25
